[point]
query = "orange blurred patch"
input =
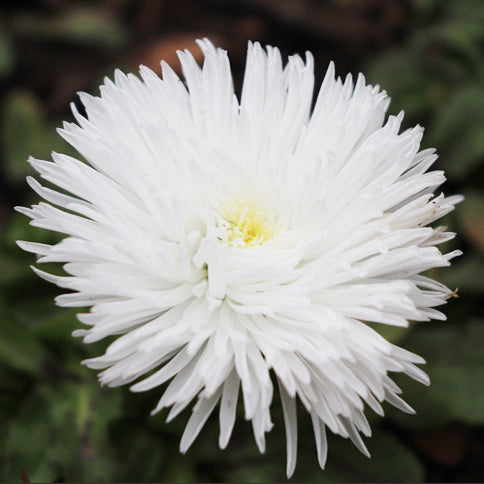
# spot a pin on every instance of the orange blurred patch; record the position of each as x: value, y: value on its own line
x: 166, y: 48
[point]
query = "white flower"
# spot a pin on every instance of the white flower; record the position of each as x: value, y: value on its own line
x: 224, y: 240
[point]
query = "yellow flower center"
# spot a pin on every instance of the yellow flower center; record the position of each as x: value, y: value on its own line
x: 247, y: 224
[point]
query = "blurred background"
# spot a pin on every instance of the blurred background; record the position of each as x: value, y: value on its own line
x: 57, y: 424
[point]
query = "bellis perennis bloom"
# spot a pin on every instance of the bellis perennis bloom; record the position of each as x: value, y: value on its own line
x: 226, y: 241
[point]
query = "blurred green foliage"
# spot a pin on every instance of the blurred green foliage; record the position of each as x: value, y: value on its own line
x: 80, y: 26
x: 60, y: 425
x: 6, y: 54
x: 438, y: 77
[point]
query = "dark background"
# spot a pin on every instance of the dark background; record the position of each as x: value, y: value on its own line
x: 56, y: 423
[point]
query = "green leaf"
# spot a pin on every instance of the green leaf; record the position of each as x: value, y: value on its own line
x: 13, y: 267
x: 55, y: 325
x: 403, y: 77
x: 60, y: 432
x: 26, y: 133
x: 457, y: 131
x: 18, y: 349
x: 27, y: 443
x: 16, y: 276
x: 21, y: 134
x: 465, y: 275
x: 472, y: 215
x: 132, y: 439
x: 258, y: 470
x: 451, y: 49
x: 6, y: 54
x: 391, y: 461
x: 455, y: 364
x: 94, y: 27
x: 465, y: 11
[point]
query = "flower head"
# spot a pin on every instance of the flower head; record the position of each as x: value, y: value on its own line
x: 225, y: 240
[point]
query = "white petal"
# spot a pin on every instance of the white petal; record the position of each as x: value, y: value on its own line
x: 197, y: 420
x: 320, y: 438
x: 228, y: 407
x: 290, y: 421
